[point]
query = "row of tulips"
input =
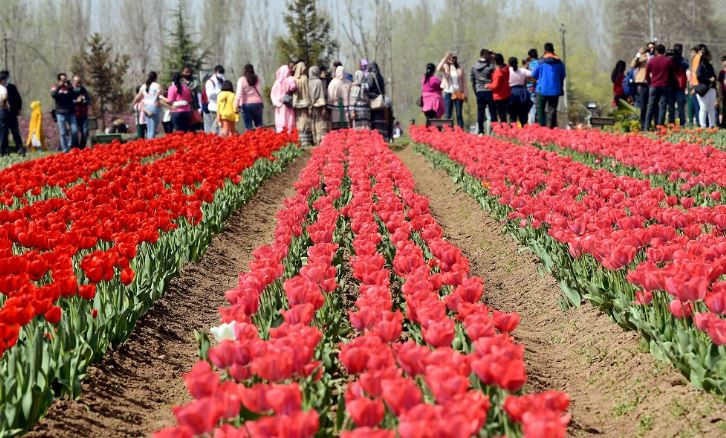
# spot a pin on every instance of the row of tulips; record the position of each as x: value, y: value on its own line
x: 11, y: 159
x: 654, y: 262
x: 691, y: 168
x: 77, y: 269
x: 360, y: 320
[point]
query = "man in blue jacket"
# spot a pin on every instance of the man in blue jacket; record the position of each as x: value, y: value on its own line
x: 550, y: 76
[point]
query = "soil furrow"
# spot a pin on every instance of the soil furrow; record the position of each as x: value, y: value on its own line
x: 617, y: 388
x: 132, y: 390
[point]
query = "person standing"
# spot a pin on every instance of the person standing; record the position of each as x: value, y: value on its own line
x: 617, y: 77
x: 535, y: 112
x: 318, y: 102
x: 227, y: 110
x: 4, y: 116
x: 82, y: 104
x: 640, y: 63
x: 213, y: 87
x: 281, y: 97
x: 453, y: 85
x: 65, y: 103
x: 192, y: 82
x: 659, y: 76
x: 550, y: 75
x: 301, y: 105
x: 178, y: 96
x: 693, y: 83
x: 706, y: 91
x: 249, y: 98
x: 677, y: 100
x: 433, y: 103
x: 149, y: 97
x: 519, y: 101
x: 500, y: 88
x: 360, y: 103
x: 381, y: 115
x: 481, y: 76
x: 338, y: 95
x: 15, y: 105
x: 722, y: 90
x: 36, y: 135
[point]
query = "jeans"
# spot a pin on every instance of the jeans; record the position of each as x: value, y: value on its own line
x: 677, y: 98
x: 641, y: 100
x: 152, y: 121
x: 452, y: 105
x: 532, y: 117
x: 550, y: 110
x: 484, y: 99
x: 695, y: 109
x: 11, y: 127
x: 252, y: 115
x: 181, y: 120
x: 707, y: 113
x: 519, y: 105
x: 500, y: 110
x: 82, y: 131
x: 67, y: 139
x: 657, y: 98
x: 210, y: 123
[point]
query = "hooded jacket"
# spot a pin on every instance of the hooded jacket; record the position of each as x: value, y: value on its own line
x: 35, y: 128
x: 301, y: 97
x: 550, y: 75
x: 481, y: 75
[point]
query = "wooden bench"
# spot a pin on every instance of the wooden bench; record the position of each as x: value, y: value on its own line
x: 106, y: 138
x: 599, y: 122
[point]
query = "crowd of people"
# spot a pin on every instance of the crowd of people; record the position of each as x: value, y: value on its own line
x: 509, y: 92
x: 662, y: 82
x: 305, y: 98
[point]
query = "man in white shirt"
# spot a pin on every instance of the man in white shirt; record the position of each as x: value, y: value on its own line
x: 213, y: 87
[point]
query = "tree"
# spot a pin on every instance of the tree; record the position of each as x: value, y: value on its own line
x: 139, y: 32
x: 104, y: 74
x: 310, y: 38
x: 216, y: 29
x: 181, y: 50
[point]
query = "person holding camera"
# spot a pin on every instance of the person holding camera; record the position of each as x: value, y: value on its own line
x: 454, y: 86
x: 64, y: 97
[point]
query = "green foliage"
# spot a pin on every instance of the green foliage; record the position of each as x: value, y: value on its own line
x: 309, y: 36
x: 181, y: 49
x: 104, y: 73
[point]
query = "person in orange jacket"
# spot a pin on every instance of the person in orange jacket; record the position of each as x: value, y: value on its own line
x: 500, y: 87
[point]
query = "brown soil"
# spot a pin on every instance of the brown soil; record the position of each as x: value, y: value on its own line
x: 131, y: 392
x: 617, y: 388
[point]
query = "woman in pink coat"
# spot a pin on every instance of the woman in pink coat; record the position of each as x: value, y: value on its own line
x: 284, y: 112
x: 433, y: 102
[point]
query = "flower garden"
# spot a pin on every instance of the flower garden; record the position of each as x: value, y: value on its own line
x: 359, y: 315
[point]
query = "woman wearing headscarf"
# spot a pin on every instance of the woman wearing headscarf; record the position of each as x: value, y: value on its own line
x: 360, y: 104
x: 281, y: 97
x: 338, y: 93
x: 301, y: 104
x: 433, y: 103
x: 381, y: 118
x: 318, y: 112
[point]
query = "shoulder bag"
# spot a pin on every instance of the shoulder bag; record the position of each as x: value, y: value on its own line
x: 381, y: 101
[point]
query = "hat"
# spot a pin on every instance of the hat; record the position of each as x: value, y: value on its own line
x: 363, y: 61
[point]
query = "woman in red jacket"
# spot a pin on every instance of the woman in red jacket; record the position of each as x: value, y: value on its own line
x: 500, y: 87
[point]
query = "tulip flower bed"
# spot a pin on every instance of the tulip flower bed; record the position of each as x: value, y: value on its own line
x: 360, y: 320
x: 654, y: 262
x: 88, y: 249
x: 701, y: 136
x: 698, y: 170
x: 12, y: 159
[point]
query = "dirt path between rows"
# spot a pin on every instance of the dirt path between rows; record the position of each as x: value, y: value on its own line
x: 617, y: 388
x: 131, y: 392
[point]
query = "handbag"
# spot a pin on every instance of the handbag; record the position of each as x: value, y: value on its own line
x: 381, y: 101
x: 702, y: 89
x: 458, y: 95
x: 196, y: 118
x: 419, y: 101
x: 287, y: 99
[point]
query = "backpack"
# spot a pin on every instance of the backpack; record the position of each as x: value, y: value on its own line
x: 629, y: 87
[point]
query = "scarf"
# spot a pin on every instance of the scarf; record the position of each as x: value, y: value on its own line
x: 316, y: 88
x: 301, y: 98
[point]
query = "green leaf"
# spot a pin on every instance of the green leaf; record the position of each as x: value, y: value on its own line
x: 572, y: 295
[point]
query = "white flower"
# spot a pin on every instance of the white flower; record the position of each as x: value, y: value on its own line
x: 224, y: 331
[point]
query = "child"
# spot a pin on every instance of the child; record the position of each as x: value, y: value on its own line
x: 226, y: 112
x: 36, y: 136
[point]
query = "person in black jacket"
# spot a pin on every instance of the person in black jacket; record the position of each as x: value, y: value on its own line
x: 706, y: 91
x: 83, y: 103
x: 65, y: 111
x: 15, y: 105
